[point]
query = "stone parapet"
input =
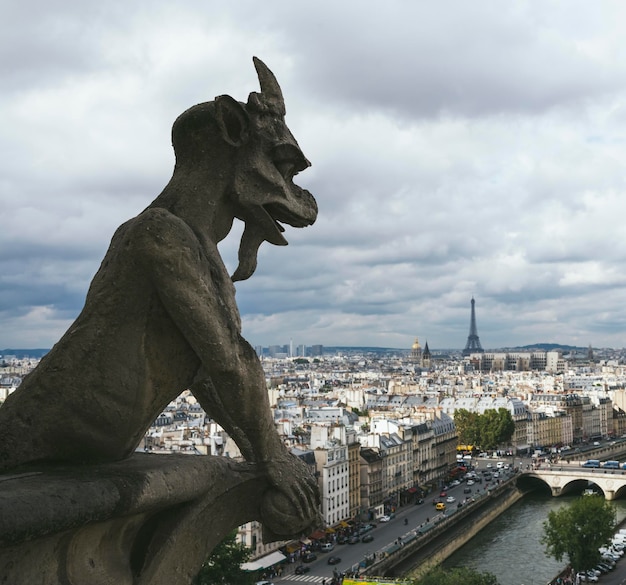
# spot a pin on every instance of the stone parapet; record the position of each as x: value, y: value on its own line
x: 150, y: 519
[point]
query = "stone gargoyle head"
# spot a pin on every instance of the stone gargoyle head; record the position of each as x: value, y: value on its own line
x: 252, y: 153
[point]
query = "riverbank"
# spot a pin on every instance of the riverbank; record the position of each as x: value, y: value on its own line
x: 425, y: 549
x: 616, y: 577
x: 463, y: 532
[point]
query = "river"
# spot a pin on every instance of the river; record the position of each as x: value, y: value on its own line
x: 510, y: 547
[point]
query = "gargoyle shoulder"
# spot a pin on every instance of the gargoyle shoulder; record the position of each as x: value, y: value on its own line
x: 156, y: 232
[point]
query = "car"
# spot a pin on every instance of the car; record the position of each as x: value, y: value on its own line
x: 440, y: 506
x: 264, y: 583
x: 442, y: 494
x: 353, y: 540
x: 489, y: 465
x: 455, y: 483
x: 595, y: 572
x: 333, y: 560
x: 470, y: 482
x: 467, y: 490
x: 419, y: 501
x: 327, y: 547
x: 302, y: 569
x: 309, y: 557
x: 384, y: 518
x: 367, y: 538
x: 450, y: 499
x: 609, y: 553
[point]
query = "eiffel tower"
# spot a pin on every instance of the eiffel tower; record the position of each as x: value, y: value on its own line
x: 473, y: 342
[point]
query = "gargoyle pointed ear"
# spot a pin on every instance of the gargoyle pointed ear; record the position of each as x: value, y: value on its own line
x: 232, y: 119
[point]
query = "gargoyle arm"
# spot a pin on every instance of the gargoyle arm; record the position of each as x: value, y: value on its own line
x: 197, y: 293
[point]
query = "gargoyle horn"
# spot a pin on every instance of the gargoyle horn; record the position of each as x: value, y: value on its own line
x: 270, y: 90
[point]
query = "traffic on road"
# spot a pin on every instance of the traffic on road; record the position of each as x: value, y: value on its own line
x: 350, y: 554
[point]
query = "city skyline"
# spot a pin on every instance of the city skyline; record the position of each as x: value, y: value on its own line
x: 458, y: 151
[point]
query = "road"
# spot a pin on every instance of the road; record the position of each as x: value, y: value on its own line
x: 385, y: 533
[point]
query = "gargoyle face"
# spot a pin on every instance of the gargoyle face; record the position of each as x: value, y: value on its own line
x: 257, y: 158
x: 268, y: 158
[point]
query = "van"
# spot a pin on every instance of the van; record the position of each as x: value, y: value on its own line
x: 591, y: 463
x: 440, y: 506
x: 500, y: 464
x: 611, y: 465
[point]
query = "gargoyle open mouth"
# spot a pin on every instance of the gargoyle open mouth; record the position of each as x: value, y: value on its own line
x: 281, y: 214
x: 268, y: 227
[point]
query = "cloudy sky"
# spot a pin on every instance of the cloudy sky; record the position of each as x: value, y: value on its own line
x: 459, y: 149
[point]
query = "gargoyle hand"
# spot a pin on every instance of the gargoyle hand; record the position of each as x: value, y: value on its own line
x: 290, y: 506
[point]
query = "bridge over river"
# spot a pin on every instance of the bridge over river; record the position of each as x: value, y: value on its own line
x: 569, y: 478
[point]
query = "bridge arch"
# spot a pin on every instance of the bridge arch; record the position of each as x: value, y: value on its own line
x: 561, y: 481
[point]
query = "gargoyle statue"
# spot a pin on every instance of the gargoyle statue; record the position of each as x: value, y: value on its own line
x: 160, y: 314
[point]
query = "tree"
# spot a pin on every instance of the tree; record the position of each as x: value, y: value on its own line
x: 464, y: 575
x: 496, y: 428
x: 466, y: 423
x: 579, y: 530
x: 224, y: 564
x: 360, y: 412
x: 488, y: 430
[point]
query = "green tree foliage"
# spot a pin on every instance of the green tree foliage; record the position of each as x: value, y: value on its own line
x: 497, y: 428
x: 456, y: 576
x: 579, y: 530
x: 360, y: 412
x: 488, y: 430
x: 466, y: 423
x: 223, y: 565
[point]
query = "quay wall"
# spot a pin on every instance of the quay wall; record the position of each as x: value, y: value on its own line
x: 417, y: 555
x: 464, y: 532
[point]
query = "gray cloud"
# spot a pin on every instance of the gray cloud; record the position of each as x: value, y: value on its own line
x: 457, y: 150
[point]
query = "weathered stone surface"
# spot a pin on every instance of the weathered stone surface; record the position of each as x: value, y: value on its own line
x: 160, y: 317
x: 148, y: 519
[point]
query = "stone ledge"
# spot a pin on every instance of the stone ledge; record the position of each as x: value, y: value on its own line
x: 147, y: 520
